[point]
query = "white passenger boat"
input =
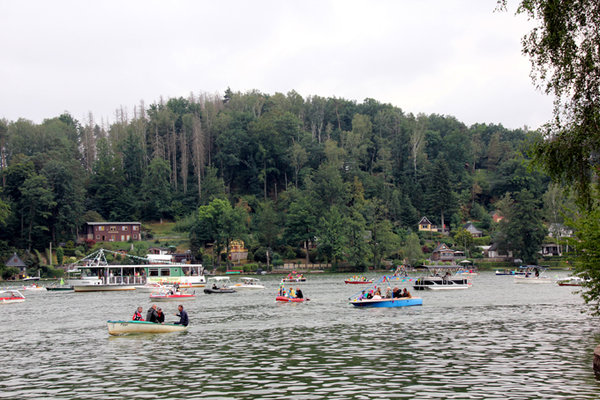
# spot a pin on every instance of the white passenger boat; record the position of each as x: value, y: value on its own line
x: 98, y: 275
x: 247, y: 283
x: 130, y: 327
x: 8, y: 296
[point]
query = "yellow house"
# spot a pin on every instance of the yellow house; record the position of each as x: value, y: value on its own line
x: 237, y: 251
x: 425, y: 225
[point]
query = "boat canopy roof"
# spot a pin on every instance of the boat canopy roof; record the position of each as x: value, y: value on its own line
x: 251, y: 279
x: 219, y: 278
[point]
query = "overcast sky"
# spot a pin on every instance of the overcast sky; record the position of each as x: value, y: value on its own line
x: 455, y: 57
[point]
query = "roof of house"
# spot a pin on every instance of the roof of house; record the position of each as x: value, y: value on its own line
x: 471, y: 228
x: 425, y: 220
x: 442, y: 247
x: 15, y: 261
x: 113, y: 223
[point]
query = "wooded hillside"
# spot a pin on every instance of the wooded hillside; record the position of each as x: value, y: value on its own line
x: 351, y: 179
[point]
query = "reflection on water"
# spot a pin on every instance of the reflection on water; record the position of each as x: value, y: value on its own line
x: 496, y: 340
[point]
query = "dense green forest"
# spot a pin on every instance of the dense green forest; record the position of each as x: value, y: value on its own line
x: 349, y: 180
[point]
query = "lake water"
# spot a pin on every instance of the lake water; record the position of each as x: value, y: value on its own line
x: 496, y: 340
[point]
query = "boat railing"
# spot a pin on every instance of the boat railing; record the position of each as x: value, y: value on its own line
x: 125, y: 280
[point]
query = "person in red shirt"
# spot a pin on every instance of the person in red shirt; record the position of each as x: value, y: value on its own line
x: 137, y: 315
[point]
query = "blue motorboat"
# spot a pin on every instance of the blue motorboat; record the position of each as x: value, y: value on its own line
x: 380, y: 294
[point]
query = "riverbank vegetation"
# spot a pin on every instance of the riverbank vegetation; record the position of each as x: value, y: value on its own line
x: 346, y: 181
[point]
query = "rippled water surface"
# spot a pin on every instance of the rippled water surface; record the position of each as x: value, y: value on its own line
x: 496, y: 340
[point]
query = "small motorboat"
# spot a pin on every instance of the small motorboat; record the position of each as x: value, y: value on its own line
x: 169, y: 295
x: 8, y: 296
x: 218, y: 284
x: 151, y: 287
x: 358, y: 280
x: 293, y: 278
x: 289, y: 300
x: 217, y: 290
x: 131, y: 327
x: 381, y: 294
x: 397, y: 302
x: 60, y: 288
x: 533, y: 274
x: 34, y: 288
x: 247, y: 283
x: 571, y: 281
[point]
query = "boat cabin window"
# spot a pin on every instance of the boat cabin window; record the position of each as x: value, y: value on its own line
x: 153, y: 272
x: 165, y: 272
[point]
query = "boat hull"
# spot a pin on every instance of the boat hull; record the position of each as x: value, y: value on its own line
x: 358, y: 282
x: 11, y: 300
x: 288, y: 300
x: 101, y: 288
x: 60, y: 289
x: 174, y: 297
x: 401, y: 302
x: 217, y: 291
x: 299, y: 280
x: 436, y: 283
x: 532, y: 280
x: 131, y: 327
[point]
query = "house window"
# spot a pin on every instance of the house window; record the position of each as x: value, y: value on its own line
x: 112, y: 228
x: 97, y: 237
x: 124, y: 228
x: 135, y: 227
x: 135, y: 236
x: 101, y: 228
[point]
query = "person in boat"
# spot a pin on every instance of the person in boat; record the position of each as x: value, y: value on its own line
x: 388, y: 293
x: 299, y: 294
x: 152, y: 314
x: 183, y: 316
x: 292, y: 293
x: 406, y: 293
x: 160, y: 316
x: 137, y: 315
x: 214, y: 287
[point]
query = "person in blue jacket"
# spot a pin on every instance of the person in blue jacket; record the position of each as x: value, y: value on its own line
x: 183, y: 317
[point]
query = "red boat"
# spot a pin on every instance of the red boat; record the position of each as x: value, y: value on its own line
x: 288, y: 300
x: 357, y: 282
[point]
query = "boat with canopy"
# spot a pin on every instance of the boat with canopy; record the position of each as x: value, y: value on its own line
x: 533, y: 274
x: 8, y: 296
x: 381, y: 294
x: 98, y: 275
x: 442, y: 277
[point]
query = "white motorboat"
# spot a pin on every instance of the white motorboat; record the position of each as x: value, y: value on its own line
x: 533, y: 274
x: 247, y: 283
x: 153, y: 287
x: 9, y: 296
x: 442, y: 277
x: 129, y: 327
x: 34, y: 288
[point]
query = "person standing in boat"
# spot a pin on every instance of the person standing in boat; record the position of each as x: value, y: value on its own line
x: 160, y: 316
x: 183, y: 317
x: 299, y: 294
x: 137, y: 315
x: 152, y: 315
